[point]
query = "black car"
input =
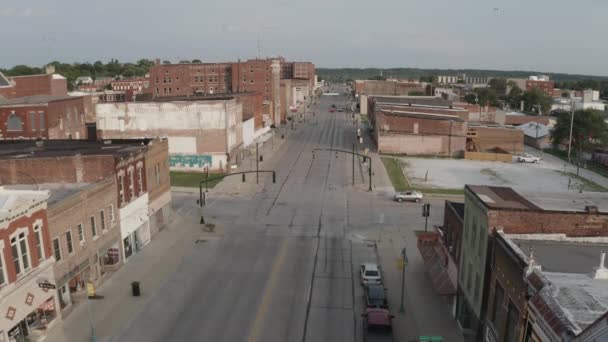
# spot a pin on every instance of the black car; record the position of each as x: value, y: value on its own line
x: 375, y: 296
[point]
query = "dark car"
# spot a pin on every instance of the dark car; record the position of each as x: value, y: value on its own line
x: 375, y: 296
x: 378, y: 320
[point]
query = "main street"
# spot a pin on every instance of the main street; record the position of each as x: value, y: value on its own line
x: 286, y: 266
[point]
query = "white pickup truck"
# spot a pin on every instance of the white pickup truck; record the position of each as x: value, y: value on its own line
x: 528, y: 158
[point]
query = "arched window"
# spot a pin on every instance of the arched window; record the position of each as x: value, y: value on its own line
x: 14, y: 123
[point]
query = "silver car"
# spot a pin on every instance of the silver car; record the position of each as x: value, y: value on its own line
x: 411, y: 195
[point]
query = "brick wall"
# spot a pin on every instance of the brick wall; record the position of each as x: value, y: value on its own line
x: 522, y: 119
x: 157, y: 158
x: 406, y: 124
x: 70, y: 169
x: 489, y: 138
x: 131, y: 178
x: 453, y: 226
x: 545, y: 86
x: 252, y: 107
x: 77, y: 209
x: 548, y: 222
x: 25, y: 221
x: 39, y: 85
x: 28, y: 131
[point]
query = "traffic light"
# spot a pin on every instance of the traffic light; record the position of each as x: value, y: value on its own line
x: 274, y: 176
x: 426, y: 210
x: 364, y: 159
x: 243, y: 177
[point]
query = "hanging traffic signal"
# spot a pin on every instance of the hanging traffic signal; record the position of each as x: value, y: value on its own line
x: 243, y: 177
x: 274, y: 176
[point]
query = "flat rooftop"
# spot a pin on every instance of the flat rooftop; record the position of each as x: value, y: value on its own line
x: 57, y: 191
x: 405, y: 100
x: 429, y: 116
x: 14, y: 201
x: 497, y: 197
x: 36, y: 99
x: 27, y: 149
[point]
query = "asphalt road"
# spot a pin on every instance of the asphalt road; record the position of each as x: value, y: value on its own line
x: 286, y: 269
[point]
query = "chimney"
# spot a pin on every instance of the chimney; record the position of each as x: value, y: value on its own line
x: 602, y: 271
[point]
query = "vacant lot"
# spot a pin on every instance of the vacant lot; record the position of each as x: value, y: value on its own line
x: 192, y: 179
x: 451, y: 173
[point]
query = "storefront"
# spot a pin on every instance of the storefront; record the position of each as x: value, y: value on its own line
x: 71, y: 286
x: 28, y: 310
x: 134, y: 226
x: 110, y: 258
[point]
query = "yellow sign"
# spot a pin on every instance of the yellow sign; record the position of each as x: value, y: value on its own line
x: 90, y: 289
x: 400, y: 264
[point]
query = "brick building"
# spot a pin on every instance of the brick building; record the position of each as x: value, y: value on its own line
x: 45, y: 84
x: 545, y: 85
x: 417, y: 126
x: 85, y: 235
x: 387, y: 88
x: 26, y: 260
x: 168, y: 80
x: 203, y: 132
x: 517, y: 120
x: 489, y: 208
x: 137, y: 85
x: 71, y: 161
x: 494, y: 138
x: 44, y: 116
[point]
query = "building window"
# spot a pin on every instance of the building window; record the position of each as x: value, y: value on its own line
x: 156, y: 81
x: 131, y: 184
x: 157, y: 173
x: 41, y: 117
x: 57, y: 249
x: 14, y: 123
x: 68, y: 240
x: 157, y: 91
x: 251, y: 81
x: 121, y: 190
x: 80, y: 231
x: 21, y: 259
x: 32, y: 116
x: 111, y: 208
x: 39, y: 242
x: 93, y: 227
x: 102, y: 219
x: 512, y: 329
x: 499, y: 295
x: 2, y: 272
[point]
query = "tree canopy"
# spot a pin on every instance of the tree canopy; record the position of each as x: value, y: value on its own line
x: 588, y: 130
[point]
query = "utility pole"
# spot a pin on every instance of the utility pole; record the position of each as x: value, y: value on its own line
x: 353, y: 164
x: 404, y: 259
x: 257, y: 160
x: 571, y: 124
x: 426, y: 212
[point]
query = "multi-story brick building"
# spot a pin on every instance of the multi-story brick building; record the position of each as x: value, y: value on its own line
x: 85, y: 237
x: 169, y: 80
x: 72, y: 161
x: 44, y: 116
x: 203, y: 132
x: 46, y: 84
x: 26, y: 260
x: 488, y: 209
x: 543, y: 84
x: 482, y: 138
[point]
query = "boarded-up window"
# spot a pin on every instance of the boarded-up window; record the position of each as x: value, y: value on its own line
x: 32, y: 116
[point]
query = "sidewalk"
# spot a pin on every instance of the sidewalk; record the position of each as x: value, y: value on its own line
x: 151, y: 267
x: 426, y: 313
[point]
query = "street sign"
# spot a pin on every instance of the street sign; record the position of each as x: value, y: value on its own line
x: 47, y: 286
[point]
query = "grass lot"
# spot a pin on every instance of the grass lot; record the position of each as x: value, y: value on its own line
x: 192, y: 179
x: 395, y: 173
x: 586, y: 184
x: 400, y: 183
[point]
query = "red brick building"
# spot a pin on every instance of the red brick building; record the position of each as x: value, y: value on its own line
x: 167, y: 80
x: 545, y: 86
x: 495, y: 138
x: 26, y: 260
x: 137, y: 85
x: 46, y: 84
x: 77, y: 161
x: 43, y: 116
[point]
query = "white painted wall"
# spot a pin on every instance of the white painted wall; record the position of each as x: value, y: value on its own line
x: 133, y: 215
x: 142, y: 116
x: 248, y: 132
x: 184, y: 145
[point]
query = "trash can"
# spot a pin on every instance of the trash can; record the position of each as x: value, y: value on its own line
x: 135, y: 289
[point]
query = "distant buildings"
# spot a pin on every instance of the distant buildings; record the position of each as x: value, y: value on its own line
x: 462, y: 78
x: 137, y: 85
x: 46, y: 84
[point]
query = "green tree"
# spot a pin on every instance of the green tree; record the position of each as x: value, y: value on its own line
x: 513, y: 99
x: 499, y: 85
x: 196, y: 61
x: 416, y: 93
x: 470, y: 98
x: 589, y: 130
x: 166, y: 62
x: 184, y: 61
x: 487, y: 96
x: 534, y: 98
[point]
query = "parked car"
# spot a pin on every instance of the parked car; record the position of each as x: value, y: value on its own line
x: 370, y: 274
x: 412, y: 195
x: 340, y: 110
x: 528, y: 158
x: 375, y: 296
x: 377, y: 320
x: 332, y: 109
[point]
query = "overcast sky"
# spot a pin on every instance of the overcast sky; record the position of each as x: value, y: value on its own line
x: 545, y: 35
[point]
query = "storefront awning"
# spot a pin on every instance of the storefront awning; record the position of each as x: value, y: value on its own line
x: 436, y: 262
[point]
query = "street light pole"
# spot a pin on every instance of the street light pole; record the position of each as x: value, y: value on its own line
x: 353, y: 164
x: 571, y: 125
x: 257, y: 160
x: 404, y: 259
